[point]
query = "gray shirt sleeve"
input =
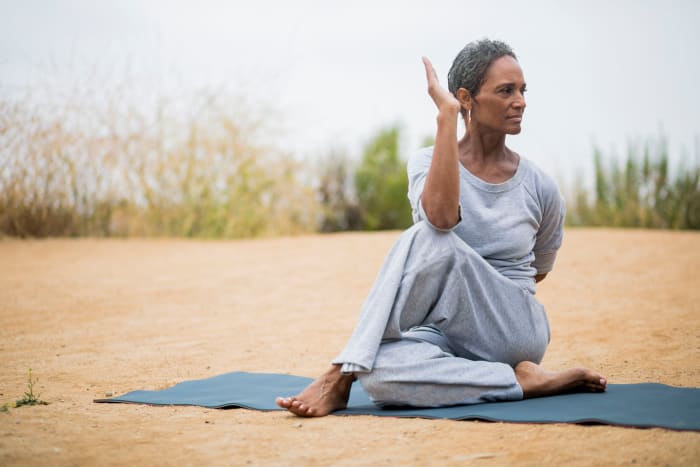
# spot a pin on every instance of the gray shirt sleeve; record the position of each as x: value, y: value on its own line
x: 551, y: 231
x: 417, y: 169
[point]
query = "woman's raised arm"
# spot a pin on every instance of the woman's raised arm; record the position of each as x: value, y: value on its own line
x: 440, y: 196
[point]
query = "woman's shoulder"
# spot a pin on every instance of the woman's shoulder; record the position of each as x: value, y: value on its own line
x: 420, y: 159
x: 537, y: 180
x: 421, y: 153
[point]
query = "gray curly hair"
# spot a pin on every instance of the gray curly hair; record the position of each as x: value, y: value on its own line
x: 468, y: 70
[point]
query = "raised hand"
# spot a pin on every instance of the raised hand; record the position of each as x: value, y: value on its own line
x: 440, y: 198
x: 444, y: 100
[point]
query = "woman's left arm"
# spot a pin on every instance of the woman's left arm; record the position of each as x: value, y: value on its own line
x: 550, y: 233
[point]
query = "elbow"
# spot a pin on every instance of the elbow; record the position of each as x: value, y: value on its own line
x: 443, y: 219
x: 440, y: 215
x: 443, y: 222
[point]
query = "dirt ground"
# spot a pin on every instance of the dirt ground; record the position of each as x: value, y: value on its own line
x: 92, y: 317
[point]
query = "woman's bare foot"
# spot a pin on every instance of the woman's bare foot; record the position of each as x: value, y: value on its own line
x: 328, y: 393
x: 537, y: 382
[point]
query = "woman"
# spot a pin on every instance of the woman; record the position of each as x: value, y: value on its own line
x: 452, y: 317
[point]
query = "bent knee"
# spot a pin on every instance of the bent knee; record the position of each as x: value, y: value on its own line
x: 424, y: 228
x: 431, y: 239
x: 531, y: 349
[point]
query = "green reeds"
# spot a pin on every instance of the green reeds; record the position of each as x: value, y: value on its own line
x: 640, y: 192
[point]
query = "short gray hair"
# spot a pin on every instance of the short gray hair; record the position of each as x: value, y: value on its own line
x: 468, y: 70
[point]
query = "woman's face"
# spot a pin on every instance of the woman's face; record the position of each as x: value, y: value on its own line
x: 500, y: 103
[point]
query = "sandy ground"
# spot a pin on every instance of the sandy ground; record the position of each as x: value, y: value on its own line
x: 97, y: 316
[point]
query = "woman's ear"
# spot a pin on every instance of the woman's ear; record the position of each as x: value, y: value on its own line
x: 465, y: 98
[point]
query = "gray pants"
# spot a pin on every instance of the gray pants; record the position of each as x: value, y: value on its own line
x: 442, y: 327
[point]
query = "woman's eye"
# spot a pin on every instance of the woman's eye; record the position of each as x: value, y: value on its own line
x: 506, y: 91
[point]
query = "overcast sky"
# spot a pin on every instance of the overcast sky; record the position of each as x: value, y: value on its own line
x: 598, y: 72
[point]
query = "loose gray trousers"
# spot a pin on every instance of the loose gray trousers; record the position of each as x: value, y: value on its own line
x: 442, y: 327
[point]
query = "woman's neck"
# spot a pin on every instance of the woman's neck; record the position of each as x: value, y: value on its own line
x: 487, y: 157
x: 483, y: 146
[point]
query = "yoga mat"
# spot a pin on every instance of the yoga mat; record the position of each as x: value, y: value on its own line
x: 636, y: 405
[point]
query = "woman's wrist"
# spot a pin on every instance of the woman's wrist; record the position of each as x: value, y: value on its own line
x: 448, y: 114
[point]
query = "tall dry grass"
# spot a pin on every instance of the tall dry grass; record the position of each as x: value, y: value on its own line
x: 193, y: 167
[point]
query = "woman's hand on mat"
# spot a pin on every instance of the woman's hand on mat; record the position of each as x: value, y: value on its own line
x: 444, y: 100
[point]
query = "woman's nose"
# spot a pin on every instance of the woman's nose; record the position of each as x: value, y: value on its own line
x: 519, y: 102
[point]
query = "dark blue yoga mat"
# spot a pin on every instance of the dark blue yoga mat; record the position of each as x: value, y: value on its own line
x: 636, y: 405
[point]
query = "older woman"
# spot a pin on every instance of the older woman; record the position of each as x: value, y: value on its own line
x: 452, y: 317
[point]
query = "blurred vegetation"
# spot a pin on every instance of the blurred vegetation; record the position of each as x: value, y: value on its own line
x: 205, y: 167
x: 75, y: 170
x: 336, y: 194
x: 370, y: 195
x: 642, y: 191
x: 382, y: 184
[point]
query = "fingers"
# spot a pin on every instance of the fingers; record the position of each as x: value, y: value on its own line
x: 430, y: 74
x: 442, y: 98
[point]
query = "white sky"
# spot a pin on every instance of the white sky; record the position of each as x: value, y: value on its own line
x: 603, y: 72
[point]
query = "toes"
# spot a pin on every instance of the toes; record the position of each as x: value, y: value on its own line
x: 301, y: 410
x: 306, y: 411
x: 296, y: 406
x: 596, y: 385
x: 599, y: 383
x: 283, y: 402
